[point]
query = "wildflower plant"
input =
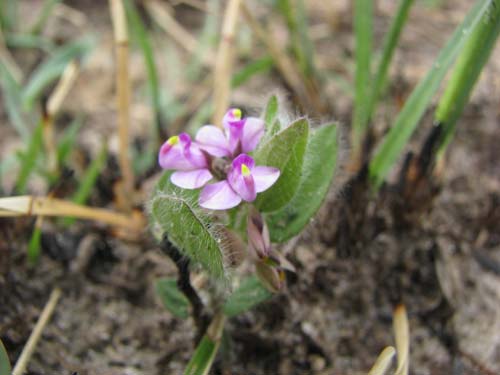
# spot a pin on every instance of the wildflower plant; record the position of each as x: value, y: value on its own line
x: 230, y: 194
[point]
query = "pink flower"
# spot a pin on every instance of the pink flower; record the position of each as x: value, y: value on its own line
x: 244, y: 180
x: 211, y: 156
x: 240, y: 135
x: 192, y: 165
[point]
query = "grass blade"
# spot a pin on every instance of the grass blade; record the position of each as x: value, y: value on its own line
x: 52, y: 68
x: 259, y: 66
x: 29, y: 159
x: 469, y: 65
x: 12, y: 99
x: 390, y: 44
x: 44, y: 15
x: 141, y: 35
x: 408, y: 118
x: 29, y: 41
x: 363, y: 27
x: 88, y: 181
x: 67, y: 141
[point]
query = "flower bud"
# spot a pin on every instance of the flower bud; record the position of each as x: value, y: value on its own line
x: 272, y: 277
x: 258, y: 235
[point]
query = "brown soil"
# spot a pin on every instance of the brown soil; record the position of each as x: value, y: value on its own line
x: 442, y: 259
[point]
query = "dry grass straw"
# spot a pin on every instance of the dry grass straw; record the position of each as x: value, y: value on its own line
x: 224, y: 62
x: 123, y: 95
x: 52, y: 108
x: 303, y: 89
x: 30, y: 346
x: 402, y: 337
x: 28, y: 205
x: 174, y: 29
x: 383, y: 361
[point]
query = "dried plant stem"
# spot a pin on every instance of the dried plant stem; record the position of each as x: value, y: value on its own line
x: 383, y: 361
x: 53, y: 106
x: 123, y: 95
x: 30, y: 346
x: 35, y: 206
x: 174, y: 29
x: 224, y: 62
x: 304, y: 90
x: 200, y: 316
x: 402, y: 336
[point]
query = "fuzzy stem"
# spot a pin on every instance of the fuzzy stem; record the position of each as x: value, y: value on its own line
x: 200, y: 317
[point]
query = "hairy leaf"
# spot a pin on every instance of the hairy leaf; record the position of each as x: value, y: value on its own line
x: 285, y: 150
x: 318, y: 171
x: 176, y: 211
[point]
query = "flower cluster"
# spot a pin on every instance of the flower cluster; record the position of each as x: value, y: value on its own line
x: 220, y: 155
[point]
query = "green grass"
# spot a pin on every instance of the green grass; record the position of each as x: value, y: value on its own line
x: 363, y: 30
x: 468, y: 67
x: 408, y: 118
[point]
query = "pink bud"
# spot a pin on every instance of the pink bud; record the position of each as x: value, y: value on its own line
x: 258, y: 234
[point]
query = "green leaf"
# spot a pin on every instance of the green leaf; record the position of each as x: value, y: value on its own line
x: 172, y: 298
x: 203, y: 357
x: 250, y: 293
x: 363, y: 27
x: 5, y: 367
x: 319, y: 169
x: 52, y: 68
x: 285, y: 151
x: 391, y: 40
x: 414, y: 108
x: 12, y: 101
x: 469, y: 65
x: 187, y: 226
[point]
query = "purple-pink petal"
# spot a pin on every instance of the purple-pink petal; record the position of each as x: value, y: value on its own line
x: 219, y: 196
x: 179, y: 153
x: 264, y: 177
x: 243, y: 159
x: 212, y: 139
x: 252, y: 134
x: 191, y: 179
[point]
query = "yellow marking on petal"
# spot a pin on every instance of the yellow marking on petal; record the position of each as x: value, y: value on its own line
x: 173, y: 140
x: 245, y: 171
x: 237, y: 113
